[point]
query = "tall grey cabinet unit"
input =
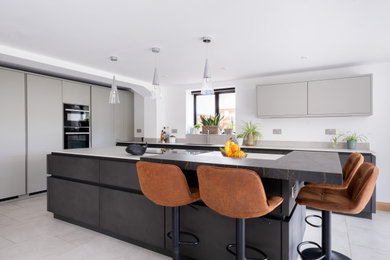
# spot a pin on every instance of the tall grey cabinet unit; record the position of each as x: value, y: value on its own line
x: 124, y: 117
x: 45, y: 127
x: 102, y: 115
x: 76, y: 93
x: 12, y: 134
x: 282, y: 100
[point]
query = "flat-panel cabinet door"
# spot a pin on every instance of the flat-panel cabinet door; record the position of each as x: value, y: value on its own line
x: 282, y: 100
x: 12, y: 134
x: 76, y: 93
x: 73, y: 200
x: 44, y: 127
x: 124, y: 117
x: 102, y: 114
x: 132, y: 216
x: 348, y: 96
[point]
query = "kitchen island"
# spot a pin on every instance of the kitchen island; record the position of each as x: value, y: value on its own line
x: 98, y: 189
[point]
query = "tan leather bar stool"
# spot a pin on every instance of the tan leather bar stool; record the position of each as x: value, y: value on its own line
x: 166, y: 185
x: 236, y: 193
x: 351, y: 200
x: 349, y: 169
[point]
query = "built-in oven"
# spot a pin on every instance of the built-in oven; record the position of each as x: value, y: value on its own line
x: 76, y: 126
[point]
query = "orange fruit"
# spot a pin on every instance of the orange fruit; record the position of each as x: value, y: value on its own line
x: 235, y: 148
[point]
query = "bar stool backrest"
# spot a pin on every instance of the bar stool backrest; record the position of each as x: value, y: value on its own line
x: 164, y: 184
x: 362, y: 186
x: 351, y: 166
x: 236, y: 193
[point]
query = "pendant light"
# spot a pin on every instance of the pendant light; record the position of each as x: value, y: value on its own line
x: 156, y: 81
x: 114, y: 94
x: 207, y: 86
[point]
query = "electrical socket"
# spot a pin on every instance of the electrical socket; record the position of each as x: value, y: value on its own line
x: 330, y: 131
x: 277, y: 131
x: 139, y: 130
x: 174, y: 131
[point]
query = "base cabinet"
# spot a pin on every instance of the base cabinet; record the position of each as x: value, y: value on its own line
x: 75, y: 201
x: 216, y: 231
x: 132, y: 216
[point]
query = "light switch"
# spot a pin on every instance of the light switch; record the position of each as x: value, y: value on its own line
x: 139, y: 130
x: 277, y: 131
x: 174, y: 131
x: 330, y: 131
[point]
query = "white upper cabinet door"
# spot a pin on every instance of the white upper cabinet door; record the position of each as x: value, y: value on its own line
x: 44, y: 127
x: 102, y: 115
x: 76, y: 93
x: 338, y: 97
x: 282, y: 100
x: 124, y: 117
x: 12, y: 134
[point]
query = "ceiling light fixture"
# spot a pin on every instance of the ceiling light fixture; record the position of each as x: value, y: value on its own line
x: 114, y: 94
x: 156, y: 81
x: 207, y: 86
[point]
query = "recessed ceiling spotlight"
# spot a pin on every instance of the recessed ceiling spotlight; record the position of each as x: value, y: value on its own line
x: 304, y: 57
x: 113, y: 58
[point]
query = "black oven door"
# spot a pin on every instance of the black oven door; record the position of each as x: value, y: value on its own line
x: 76, y: 140
x: 76, y: 116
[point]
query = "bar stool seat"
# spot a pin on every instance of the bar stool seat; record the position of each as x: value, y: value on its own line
x: 354, y: 161
x: 239, y: 194
x: 166, y: 185
x: 351, y: 200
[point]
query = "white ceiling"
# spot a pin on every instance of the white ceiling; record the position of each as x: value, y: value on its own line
x: 250, y: 37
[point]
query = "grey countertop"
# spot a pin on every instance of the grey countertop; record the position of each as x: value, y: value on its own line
x: 289, y: 148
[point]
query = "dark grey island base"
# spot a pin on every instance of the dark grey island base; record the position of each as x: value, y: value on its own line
x: 101, y: 191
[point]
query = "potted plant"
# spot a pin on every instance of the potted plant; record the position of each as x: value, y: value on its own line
x: 240, y: 139
x: 172, y: 139
x: 335, y: 140
x: 229, y: 129
x: 210, y: 125
x: 197, y: 128
x: 251, y: 133
x: 352, y: 138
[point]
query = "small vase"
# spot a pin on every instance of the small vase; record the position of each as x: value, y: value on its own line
x: 351, y: 144
x: 335, y: 145
x: 250, y: 140
x: 240, y: 141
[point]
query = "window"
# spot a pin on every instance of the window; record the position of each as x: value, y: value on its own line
x: 223, y: 102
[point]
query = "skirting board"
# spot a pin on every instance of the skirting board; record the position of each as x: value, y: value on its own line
x: 385, y: 206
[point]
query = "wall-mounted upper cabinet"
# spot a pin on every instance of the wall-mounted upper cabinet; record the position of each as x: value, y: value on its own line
x: 76, y: 93
x: 338, y: 97
x: 332, y: 97
x: 282, y: 100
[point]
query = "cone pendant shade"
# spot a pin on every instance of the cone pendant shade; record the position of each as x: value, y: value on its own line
x: 207, y: 86
x: 114, y: 94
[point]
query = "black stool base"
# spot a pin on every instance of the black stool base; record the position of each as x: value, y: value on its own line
x: 230, y: 246
x: 316, y: 253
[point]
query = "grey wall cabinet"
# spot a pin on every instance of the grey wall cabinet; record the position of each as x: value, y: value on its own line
x: 102, y: 114
x: 45, y: 127
x: 124, y: 117
x: 347, y: 96
x: 332, y: 97
x: 282, y: 100
x: 76, y: 93
x: 12, y: 134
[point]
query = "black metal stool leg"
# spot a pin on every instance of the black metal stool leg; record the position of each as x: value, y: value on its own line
x: 240, y: 238
x: 176, y: 232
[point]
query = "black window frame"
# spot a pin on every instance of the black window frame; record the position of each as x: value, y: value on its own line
x: 217, y: 92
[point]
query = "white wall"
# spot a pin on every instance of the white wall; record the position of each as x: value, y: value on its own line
x: 375, y: 127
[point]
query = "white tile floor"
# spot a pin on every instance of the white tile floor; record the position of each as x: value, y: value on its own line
x: 28, y: 231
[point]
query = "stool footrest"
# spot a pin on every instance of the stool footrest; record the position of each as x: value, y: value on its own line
x: 310, y: 253
x: 311, y: 224
x: 186, y: 243
x: 230, y: 246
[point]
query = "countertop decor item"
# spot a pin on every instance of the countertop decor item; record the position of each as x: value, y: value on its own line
x: 136, y: 149
x: 210, y: 125
x: 251, y: 133
x: 240, y: 139
x: 352, y: 138
x: 335, y: 141
x: 172, y: 139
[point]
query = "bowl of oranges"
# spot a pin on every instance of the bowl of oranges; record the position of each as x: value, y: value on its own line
x: 232, y: 150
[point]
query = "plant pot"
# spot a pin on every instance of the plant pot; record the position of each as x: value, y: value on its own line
x: 240, y: 141
x: 172, y: 139
x: 351, y: 144
x: 211, y: 129
x: 250, y: 140
x: 228, y: 131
